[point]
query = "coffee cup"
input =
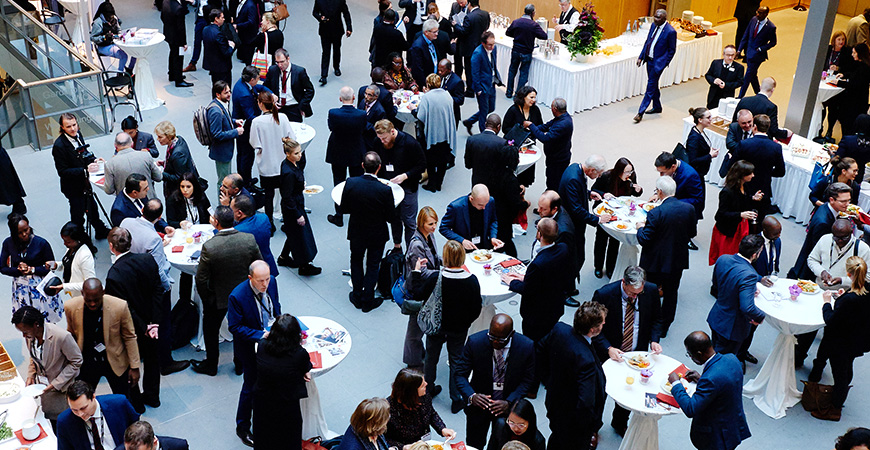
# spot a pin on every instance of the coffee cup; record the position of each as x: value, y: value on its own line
x: 30, y: 430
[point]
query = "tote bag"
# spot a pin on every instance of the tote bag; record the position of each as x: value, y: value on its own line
x: 429, y: 317
x: 262, y: 60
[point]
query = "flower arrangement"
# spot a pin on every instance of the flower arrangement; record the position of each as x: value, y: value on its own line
x: 584, y: 40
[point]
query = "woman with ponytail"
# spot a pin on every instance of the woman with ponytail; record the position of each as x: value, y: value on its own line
x: 299, y: 247
x: 843, y: 170
x: 267, y: 134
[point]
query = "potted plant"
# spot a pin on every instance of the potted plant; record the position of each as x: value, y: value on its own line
x: 584, y: 40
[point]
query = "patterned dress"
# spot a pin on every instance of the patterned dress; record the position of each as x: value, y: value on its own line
x: 35, y: 253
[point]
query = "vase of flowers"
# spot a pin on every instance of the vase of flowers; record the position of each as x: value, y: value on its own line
x: 583, y: 42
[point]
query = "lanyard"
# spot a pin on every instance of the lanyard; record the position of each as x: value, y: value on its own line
x: 845, y: 252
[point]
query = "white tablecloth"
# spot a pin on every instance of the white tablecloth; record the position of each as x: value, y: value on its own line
x: 403, y: 99
x: 629, y: 249
x: 643, y: 426
x: 527, y: 159
x: 398, y: 192
x: 313, y: 418
x: 21, y: 410
x: 145, y: 92
x: 774, y: 389
x: 606, y: 79
x: 304, y: 133
x: 826, y: 91
x: 79, y: 35
x: 492, y: 290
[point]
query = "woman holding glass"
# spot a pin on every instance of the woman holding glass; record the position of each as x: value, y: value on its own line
x: 735, y: 211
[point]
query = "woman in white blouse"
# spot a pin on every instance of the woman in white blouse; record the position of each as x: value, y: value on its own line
x: 267, y: 134
x: 77, y: 264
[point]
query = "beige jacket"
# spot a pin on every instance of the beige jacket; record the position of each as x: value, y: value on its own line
x: 61, y: 358
x: 122, y: 351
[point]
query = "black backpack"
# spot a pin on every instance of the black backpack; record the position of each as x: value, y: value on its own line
x: 185, y: 323
x: 392, y: 266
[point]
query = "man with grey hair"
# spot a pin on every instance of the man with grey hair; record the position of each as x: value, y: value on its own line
x: 346, y: 148
x: 567, y: 19
x: 633, y: 323
x: 127, y: 161
x: 524, y: 31
x: 664, y: 239
x: 556, y: 137
x: 739, y: 130
x: 429, y: 47
x: 658, y: 51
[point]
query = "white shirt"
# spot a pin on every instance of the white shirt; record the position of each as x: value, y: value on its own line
x: 266, y: 140
x: 768, y: 250
x: 572, y: 20
x: 828, y: 256
x: 286, y: 94
x: 136, y: 202
x: 656, y: 35
x: 102, y: 427
x: 636, y: 327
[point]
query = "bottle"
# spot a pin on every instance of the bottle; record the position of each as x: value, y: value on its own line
x: 628, y: 28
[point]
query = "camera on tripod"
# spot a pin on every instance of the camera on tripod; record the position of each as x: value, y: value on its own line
x: 83, y: 152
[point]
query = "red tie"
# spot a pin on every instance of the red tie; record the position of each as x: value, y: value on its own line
x: 98, y: 442
x: 757, y: 26
x: 283, y: 86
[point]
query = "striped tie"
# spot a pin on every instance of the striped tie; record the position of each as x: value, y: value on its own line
x: 628, y: 326
x: 499, y: 373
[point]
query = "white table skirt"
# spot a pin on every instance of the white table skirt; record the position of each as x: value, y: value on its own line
x: 313, y: 417
x: 826, y: 91
x: 145, y: 92
x: 774, y: 389
x: 606, y: 79
x: 22, y: 409
x: 629, y: 248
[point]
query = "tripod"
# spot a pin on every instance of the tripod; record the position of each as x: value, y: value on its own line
x: 88, y: 224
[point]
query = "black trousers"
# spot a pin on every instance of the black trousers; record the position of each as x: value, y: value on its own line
x: 477, y: 422
x: 580, y: 243
x: 225, y: 76
x: 723, y: 345
x: 293, y: 112
x: 327, y: 44
x: 742, y: 23
x: 434, y: 342
x: 619, y: 420
x: 185, y: 286
x: 164, y: 341
x: 841, y: 369
x: 566, y: 434
x: 212, y: 317
x: 436, y: 164
x: 744, y: 348
x: 91, y: 372
x: 148, y: 351
x: 554, y: 173
x: 341, y: 173
x: 176, y: 63
x: 79, y: 206
x: 468, y: 78
x: 270, y: 184
x: 669, y: 283
x: 802, y: 348
x: 364, y: 281
x: 606, y: 251
x: 245, y: 154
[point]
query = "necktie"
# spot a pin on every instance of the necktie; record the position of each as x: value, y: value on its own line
x: 283, y: 86
x: 169, y: 150
x: 757, y: 27
x: 651, y: 51
x: 498, y: 373
x: 265, y: 314
x: 433, y: 54
x: 628, y: 326
x: 139, y: 204
x: 770, y: 258
x: 745, y: 135
x: 98, y: 442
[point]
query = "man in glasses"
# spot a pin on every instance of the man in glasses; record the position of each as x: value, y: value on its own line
x: 502, y: 363
x: 633, y: 323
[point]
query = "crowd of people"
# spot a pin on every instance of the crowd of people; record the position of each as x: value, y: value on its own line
x: 121, y: 322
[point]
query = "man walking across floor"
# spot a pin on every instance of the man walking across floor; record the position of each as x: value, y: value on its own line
x: 524, y: 31
x: 346, y: 148
x: 757, y: 40
x: 658, y: 51
x: 484, y: 79
x: 172, y: 15
x: 331, y: 29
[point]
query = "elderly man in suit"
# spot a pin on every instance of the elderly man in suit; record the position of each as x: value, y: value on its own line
x: 761, y: 104
x: 217, y: 51
x: 346, y: 148
x: 385, y: 96
x: 248, y: 220
x: 739, y: 130
x: 658, y: 51
x: 223, y: 264
x: 452, y: 83
x: 430, y: 46
x: 223, y: 128
x: 502, y: 363
x: 374, y: 112
x: 291, y: 84
x: 633, y: 323
x: 172, y: 14
x: 556, y: 136
x: 232, y: 186
x: 244, y: 100
x: 403, y: 163
x: 716, y: 408
x: 103, y: 417
x: 724, y: 77
x: 575, y: 194
x: 572, y: 374
x: 253, y: 307
x: 127, y: 161
x: 104, y: 331
x: 471, y: 220
x: 484, y: 78
x: 371, y: 207
x: 329, y: 14
x: 386, y: 39
x: 140, y: 436
x: 766, y: 156
x: 664, y: 240
x: 469, y: 32
x: 759, y: 37
x: 178, y: 160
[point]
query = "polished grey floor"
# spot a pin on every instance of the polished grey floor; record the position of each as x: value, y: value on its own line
x: 202, y: 408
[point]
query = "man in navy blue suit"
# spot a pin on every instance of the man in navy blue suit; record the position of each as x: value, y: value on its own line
x: 761, y: 103
x: 217, y: 51
x: 664, y: 239
x: 556, y: 137
x: 374, y: 112
x: 657, y: 53
x: 452, y: 83
x: 739, y: 130
x: 248, y: 220
x: 575, y: 195
x: 759, y: 37
x: 502, y: 363
x: 574, y: 379
x: 471, y: 220
x: 734, y: 312
x: 765, y: 265
x: 385, y: 97
x: 346, y: 148
x: 222, y: 128
x: 252, y: 308
x: 244, y: 98
x: 690, y: 187
x: 485, y: 76
x: 103, y: 418
x: 716, y: 408
x: 766, y: 156
x: 140, y: 436
x: 430, y: 46
x: 132, y: 201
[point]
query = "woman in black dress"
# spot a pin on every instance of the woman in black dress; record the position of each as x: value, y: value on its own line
x: 411, y: 411
x: 520, y: 425
x: 735, y: 210
x: 282, y: 370
x: 300, y: 238
x: 616, y: 182
x: 856, y: 85
x: 269, y: 27
x: 698, y: 144
x: 837, y: 60
x: 523, y: 109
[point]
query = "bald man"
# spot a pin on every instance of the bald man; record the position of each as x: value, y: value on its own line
x: 253, y: 307
x: 471, y: 220
x: 346, y: 147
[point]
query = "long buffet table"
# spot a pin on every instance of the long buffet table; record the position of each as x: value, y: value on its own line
x: 606, y: 79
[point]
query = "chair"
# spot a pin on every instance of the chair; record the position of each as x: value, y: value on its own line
x: 118, y: 82
x: 52, y: 19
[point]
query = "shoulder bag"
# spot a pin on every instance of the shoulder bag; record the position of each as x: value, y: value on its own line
x: 429, y: 317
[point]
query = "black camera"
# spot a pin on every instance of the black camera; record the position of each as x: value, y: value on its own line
x: 83, y: 152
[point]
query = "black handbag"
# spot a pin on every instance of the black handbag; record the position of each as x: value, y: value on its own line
x: 680, y: 153
x: 726, y: 164
x: 229, y: 31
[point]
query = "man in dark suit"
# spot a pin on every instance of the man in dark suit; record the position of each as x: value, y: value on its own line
x: 72, y: 160
x: 633, y: 323
x: 292, y: 86
x: 487, y: 154
x: 690, y: 187
x: 469, y: 33
x: 768, y: 261
x: 223, y: 264
x: 386, y: 39
x: 524, y: 31
x: 502, y: 363
x: 82, y: 422
x: 385, y: 97
x: 329, y: 14
x: 247, y: 23
x: 575, y: 196
x: 716, y: 408
x: 759, y: 37
x: 223, y: 128
x: 252, y: 308
x: 244, y: 99
x: 452, y: 83
x: 734, y: 312
x: 415, y: 14
x: 471, y: 220
x: 346, y: 148
x: 403, y: 162
x: 231, y: 187
x: 744, y: 11
x: 664, y: 239
x: 550, y: 205
x: 371, y: 207
x: 431, y: 46
x: 217, y: 51
x: 657, y: 53
x: 761, y: 104
x: 739, y: 130
x: 248, y: 220
x: 172, y: 15
x: 374, y: 112
x: 724, y: 76
x: 572, y: 374
x: 766, y: 156
x: 556, y: 136
x: 484, y: 78
x: 140, y: 436
x: 131, y: 202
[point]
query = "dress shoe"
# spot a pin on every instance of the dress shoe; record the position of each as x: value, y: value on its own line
x: 309, y: 270
x: 138, y: 406
x: 430, y: 188
x: 238, y: 369
x: 574, y: 293
x: 152, y: 402
x: 457, y: 406
x: 509, y: 96
x: 372, y: 305
x: 335, y: 219
x: 832, y: 414
x: 322, y: 81
x: 436, y: 389
x: 593, y: 443
x: 598, y: 273
x: 468, y: 127
x: 190, y: 68
x: 619, y: 428
x: 246, y: 436
x: 286, y: 261
x: 469, y: 94
x: 654, y: 111
x: 750, y: 359
x: 174, y: 366
x: 569, y: 301
x: 204, y: 368
x: 692, y: 246
x: 183, y: 84
x: 638, y: 118
x: 353, y: 301
x: 338, y: 72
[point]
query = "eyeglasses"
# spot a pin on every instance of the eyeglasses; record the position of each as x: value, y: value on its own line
x: 499, y: 339
x: 518, y: 425
x: 689, y: 354
x: 841, y: 238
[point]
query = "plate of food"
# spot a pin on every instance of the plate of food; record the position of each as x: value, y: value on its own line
x: 312, y: 189
x: 603, y: 209
x: 821, y: 158
x: 481, y: 256
x: 648, y: 206
x: 9, y: 392
x: 622, y: 226
x: 854, y: 209
x: 638, y: 360
x: 808, y: 287
x: 666, y: 388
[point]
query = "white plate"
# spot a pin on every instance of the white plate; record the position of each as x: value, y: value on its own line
x: 312, y: 189
x: 628, y: 225
x: 34, y: 390
x: 481, y: 253
x: 627, y: 355
x: 689, y: 390
x: 13, y: 397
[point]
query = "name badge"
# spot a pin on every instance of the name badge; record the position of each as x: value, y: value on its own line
x: 731, y: 69
x: 475, y: 240
x: 100, y: 348
x: 390, y: 168
x: 284, y: 95
x: 497, y: 386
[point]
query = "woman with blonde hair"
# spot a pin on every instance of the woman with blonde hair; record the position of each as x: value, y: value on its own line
x: 270, y: 33
x: 422, y: 265
x: 368, y: 423
x: 846, y: 335
x: 300, y: 237
x: 267, y: 134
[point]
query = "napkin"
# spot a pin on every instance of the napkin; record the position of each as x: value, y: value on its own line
x: 316, y: 360
x: 510, y: 263
x: 19, y: 435
x: 178, y: 249
x: 458, y: 446
x: 664, y: 398
x: 681, y: 371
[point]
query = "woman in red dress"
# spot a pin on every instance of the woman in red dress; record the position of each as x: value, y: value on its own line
x: 735, y: 211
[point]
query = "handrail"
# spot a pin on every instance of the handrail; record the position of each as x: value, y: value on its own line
x: 20, y: 84
x: 9, y: 130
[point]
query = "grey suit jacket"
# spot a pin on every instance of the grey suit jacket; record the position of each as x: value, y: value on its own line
x: 129, y: 161
x: 61, y: 358
x: 223, y: 264
x: 146, y: 240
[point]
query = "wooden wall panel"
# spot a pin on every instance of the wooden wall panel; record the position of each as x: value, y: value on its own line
x: 614, y: 14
